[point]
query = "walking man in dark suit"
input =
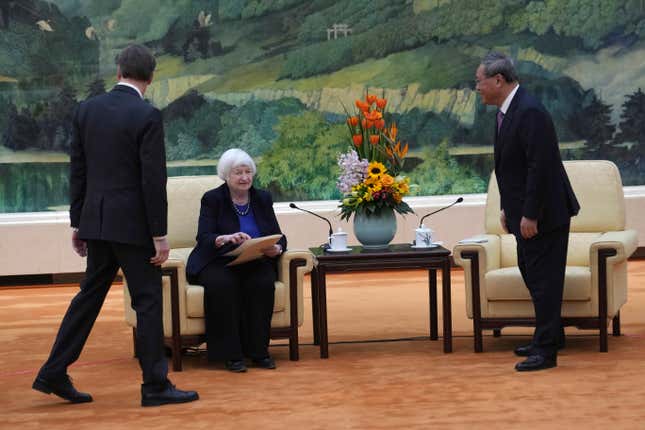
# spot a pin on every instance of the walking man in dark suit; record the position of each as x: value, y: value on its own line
x: 118, y: 214
x: 537, y: 201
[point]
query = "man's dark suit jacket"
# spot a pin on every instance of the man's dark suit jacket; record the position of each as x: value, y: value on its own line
x: 530, y: 174
x: 217, y: 217
x: 118, y: 169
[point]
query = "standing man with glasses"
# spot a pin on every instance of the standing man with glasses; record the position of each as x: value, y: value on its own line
x: 118, y: 213
x: 537, y: 201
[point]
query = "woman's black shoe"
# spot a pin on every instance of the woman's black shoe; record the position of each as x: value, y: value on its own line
x: 265, y: 363
x: 237, y: 366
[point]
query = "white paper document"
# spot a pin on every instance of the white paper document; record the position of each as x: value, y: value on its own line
x: 252, y: 249
x: 475, y: 239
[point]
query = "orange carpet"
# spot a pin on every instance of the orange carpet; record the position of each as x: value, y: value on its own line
x: 408, y: 384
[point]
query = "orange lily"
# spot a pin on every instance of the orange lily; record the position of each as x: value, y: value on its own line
x: 362, y: 106
x: 373, y: 115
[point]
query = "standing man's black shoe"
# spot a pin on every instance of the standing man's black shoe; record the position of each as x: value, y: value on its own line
x: 165, y: 395
x: 265, y: 363
x: 528, y: 349
x: 536, y: 362
x: 236, y: 366
x: 62, y: 387
x: 524, y: 350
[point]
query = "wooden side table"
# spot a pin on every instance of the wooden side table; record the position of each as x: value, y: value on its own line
x: 391, y: 258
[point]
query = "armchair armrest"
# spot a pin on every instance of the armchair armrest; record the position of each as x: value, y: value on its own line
x: 292, y: 267
x: 623, y: 242
x: 179, y: 263
x: 288, y: 256
x: 489, y: 253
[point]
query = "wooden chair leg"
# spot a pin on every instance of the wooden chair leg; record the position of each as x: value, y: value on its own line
x: 603, y: 339
x: 497, y: 332
x: 477, y: 331
x: 176, y: 358
x: 293, y: 345
x: 616, y: 325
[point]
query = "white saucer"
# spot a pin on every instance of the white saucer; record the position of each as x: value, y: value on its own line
x: 338, y: 250
x: 432, y: 245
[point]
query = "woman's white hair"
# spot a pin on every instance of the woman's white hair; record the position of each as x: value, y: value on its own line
x: 232, y: 158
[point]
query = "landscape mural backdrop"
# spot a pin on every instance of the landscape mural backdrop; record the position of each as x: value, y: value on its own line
x: 273, y: 77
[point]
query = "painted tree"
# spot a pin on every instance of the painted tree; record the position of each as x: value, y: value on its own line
x: 593, y: 123
x: 632, y: 132
x: 96, y: 88
x: 632, y: 120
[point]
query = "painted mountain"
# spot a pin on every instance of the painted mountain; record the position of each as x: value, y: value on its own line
x: 275, y: 77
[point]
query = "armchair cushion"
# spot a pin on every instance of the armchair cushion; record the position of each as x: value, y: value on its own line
x: 195, y: 300
x: 503, y: 284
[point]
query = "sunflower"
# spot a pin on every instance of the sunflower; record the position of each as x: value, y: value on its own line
x: 376, y: 169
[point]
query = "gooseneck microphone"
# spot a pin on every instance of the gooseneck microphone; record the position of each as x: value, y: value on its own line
x: 459, y: 200
x: 331, y: 231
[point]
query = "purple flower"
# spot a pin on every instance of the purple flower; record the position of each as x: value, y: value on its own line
x: 353, y: 171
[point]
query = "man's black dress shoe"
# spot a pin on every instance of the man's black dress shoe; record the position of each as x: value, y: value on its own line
x: 62, y: 387
x: 265, y: 363
x: 536, y: 362
x: 237, y: 366
x: 524, y: 350
x: 166, y: 395
x: 528, y: 349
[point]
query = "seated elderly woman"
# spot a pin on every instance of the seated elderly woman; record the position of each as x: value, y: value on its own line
x: 238, y: 300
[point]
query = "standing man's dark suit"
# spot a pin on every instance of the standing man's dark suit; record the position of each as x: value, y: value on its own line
x: 537, y: 202
x: 118, y: 205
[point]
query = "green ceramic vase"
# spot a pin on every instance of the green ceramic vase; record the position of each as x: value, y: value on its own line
x: 375, y: 230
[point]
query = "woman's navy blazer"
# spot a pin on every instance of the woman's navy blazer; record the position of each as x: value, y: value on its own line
x: 217, y: 217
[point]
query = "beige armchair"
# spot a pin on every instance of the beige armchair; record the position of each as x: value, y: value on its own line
x: 183, y: 303
x: 595, y: 285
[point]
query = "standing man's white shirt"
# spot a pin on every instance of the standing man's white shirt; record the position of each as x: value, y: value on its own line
x: 507, y: 102
x: 125, y: 84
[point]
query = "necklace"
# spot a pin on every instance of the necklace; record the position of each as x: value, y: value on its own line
x: 242, y: 210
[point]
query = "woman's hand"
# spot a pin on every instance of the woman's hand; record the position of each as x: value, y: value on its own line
x: 235, y: 238
x: 273, y: 251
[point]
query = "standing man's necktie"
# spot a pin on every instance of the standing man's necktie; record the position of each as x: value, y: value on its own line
x: 500, y: 118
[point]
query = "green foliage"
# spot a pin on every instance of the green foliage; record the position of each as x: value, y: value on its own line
x: 425, y: 129
x: 245, y: 9
x: 194, y: 135
x: 42, y: 59
x: 159, y: 16
x: 96, y: 88
x: 593, y: 123
x: 632, y: 120
x: 301, y: 164
x: 441, y: 174
x: 591, y: 20
x: 196, y: 128
x: 463, y: 18
x: 375, y: 42
x: 360, y: 15
x: 251, y: 126
x: 87, y: 8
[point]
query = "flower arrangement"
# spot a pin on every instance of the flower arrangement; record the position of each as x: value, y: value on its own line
x: 370, y: 178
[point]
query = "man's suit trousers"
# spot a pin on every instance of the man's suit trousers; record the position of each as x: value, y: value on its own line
x: 144, y: 281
